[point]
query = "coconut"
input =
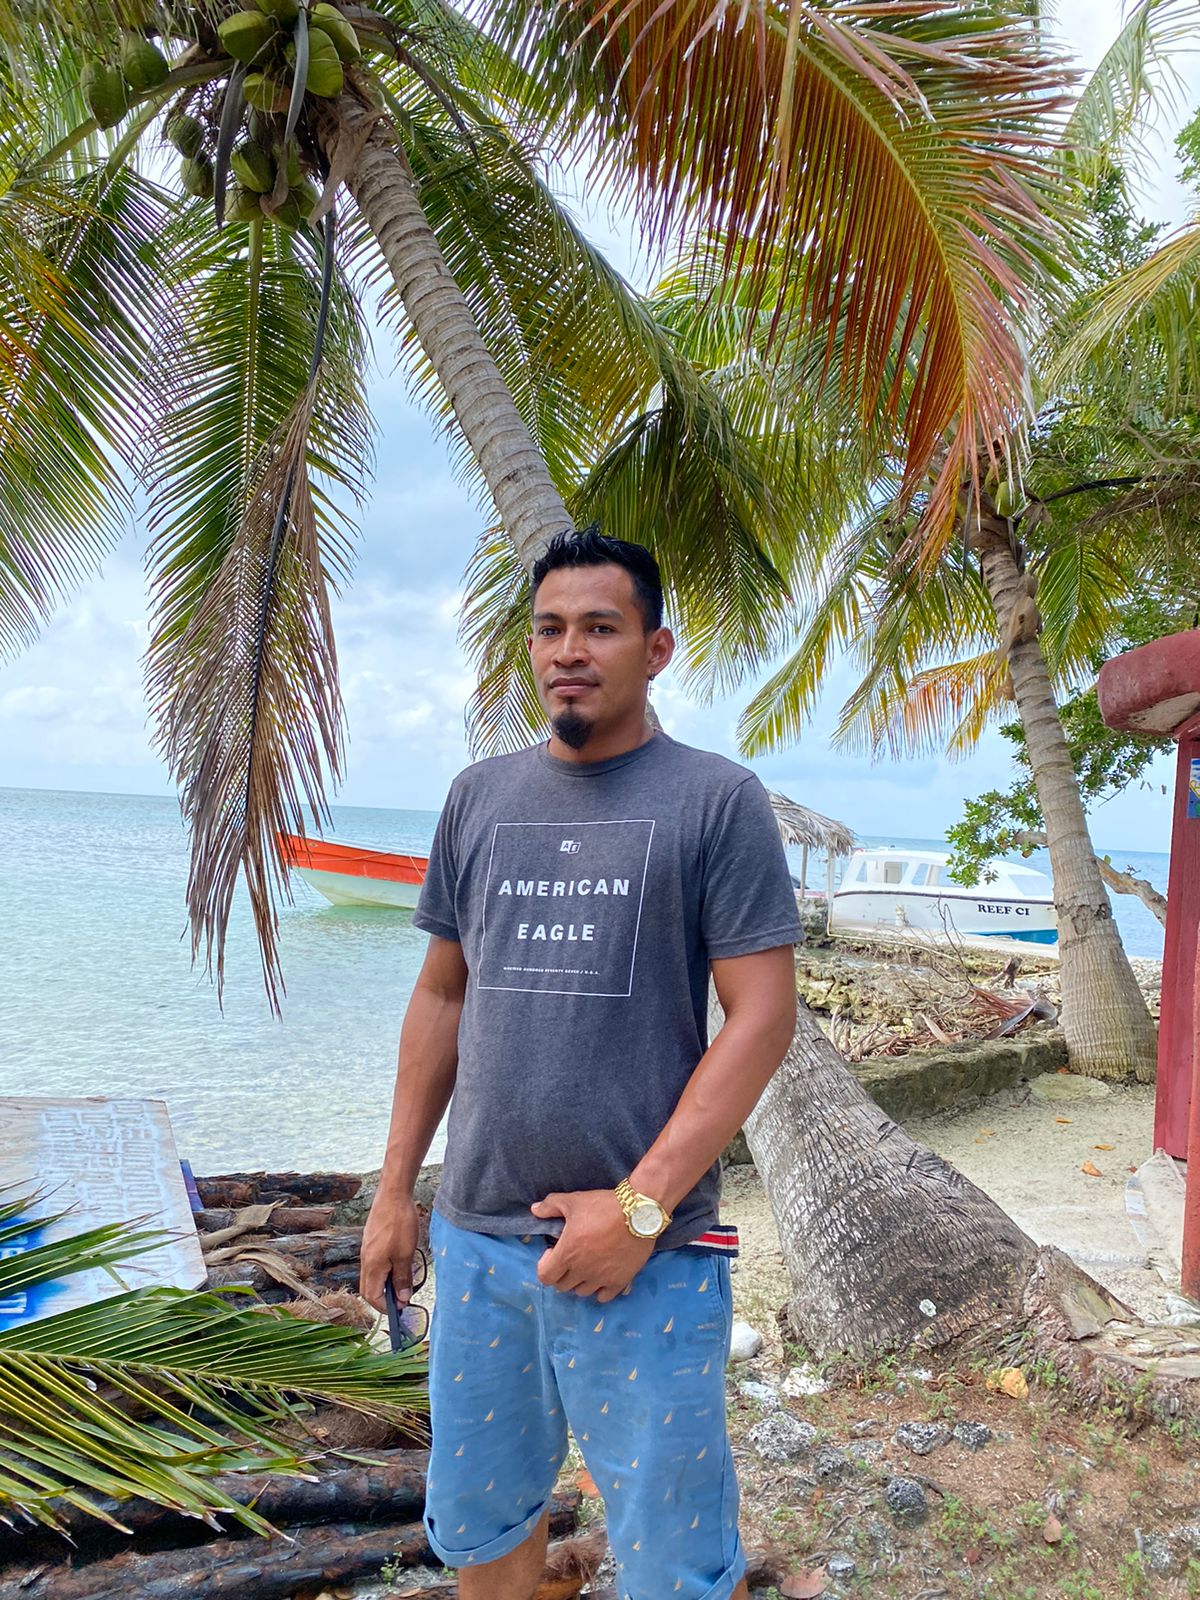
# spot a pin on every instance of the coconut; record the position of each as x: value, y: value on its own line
x: 1005, y: 498
x: 325, y: 75
x: 264, y: 93
x: 143, y: 63
x: 288, y: 215
x: 296, y: 208
x: 196, y: 175
x: 305, y: 194
x: 285, y: 11
x: 243, y: 206
x: 106, y: 93
x: 331, y: 21
x: 186, y: 134
x: 253, y: 168
x: 246, y: 34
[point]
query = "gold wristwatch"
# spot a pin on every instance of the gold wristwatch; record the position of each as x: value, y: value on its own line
x: 644, y: 1217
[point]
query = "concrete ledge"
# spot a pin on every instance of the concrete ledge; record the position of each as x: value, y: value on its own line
x: 956, y: 1076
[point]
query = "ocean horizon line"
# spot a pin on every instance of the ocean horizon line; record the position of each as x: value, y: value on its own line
x: 356, y: 805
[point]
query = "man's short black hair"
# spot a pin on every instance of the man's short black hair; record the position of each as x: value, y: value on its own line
x: 588, y: 547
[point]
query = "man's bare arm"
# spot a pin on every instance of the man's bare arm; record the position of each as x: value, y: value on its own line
x: 758, y: 996
x: 596, y: 1254
x: 425, y: 1074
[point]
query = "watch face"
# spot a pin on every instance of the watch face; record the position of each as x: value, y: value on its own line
x: 646, y: 1219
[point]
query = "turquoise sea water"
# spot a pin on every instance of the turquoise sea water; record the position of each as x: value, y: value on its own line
x: 98, y: 994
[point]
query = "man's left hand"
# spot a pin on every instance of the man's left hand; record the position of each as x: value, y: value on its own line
x: 595, y: 1254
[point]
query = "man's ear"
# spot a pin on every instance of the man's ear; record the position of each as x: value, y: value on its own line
x: 661, y: 649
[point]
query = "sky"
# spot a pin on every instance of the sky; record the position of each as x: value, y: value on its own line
x: 72, y: 709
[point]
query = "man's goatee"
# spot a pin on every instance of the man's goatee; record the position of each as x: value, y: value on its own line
x: 572, y: 729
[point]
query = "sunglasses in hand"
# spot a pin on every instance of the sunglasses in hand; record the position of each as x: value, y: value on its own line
x: 407, y: 1325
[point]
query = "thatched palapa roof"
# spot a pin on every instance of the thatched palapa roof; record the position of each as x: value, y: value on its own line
x: 799, y: 825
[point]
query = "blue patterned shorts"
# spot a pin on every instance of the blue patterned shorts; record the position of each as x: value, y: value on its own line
x: 639, y: 1380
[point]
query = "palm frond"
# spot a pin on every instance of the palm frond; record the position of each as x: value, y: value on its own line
x: 835, y: 621
x: 254, y: 712
x: 697, y: 496
x: 941, y: 707
x: 1084, y: 575
x: 151, y: 1393
x: 888, y: 154
x: 579, y: 350
x: 504, y: 712
x: 79, y: 289
x: 242, y: 667
x: 1134, y: 78
x: 1136, y: 339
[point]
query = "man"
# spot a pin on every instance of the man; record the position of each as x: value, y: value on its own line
x: 579, y: 894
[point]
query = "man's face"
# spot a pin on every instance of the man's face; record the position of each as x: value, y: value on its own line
x: 592, y: 657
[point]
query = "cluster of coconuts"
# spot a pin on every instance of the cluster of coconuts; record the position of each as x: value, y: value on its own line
x: 261, y: 37
x: 109, y: 88
x: 255, y: 164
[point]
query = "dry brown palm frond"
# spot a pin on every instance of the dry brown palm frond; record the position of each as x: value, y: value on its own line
x: 252, y: 703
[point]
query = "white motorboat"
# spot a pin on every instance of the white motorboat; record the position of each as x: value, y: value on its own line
x: 910, y: 892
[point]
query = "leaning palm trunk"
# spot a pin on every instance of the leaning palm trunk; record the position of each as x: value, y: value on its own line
x: 1108, y: 1028
x: 889, y: 1248
x: 886, y: 1245
x: 379, y: 178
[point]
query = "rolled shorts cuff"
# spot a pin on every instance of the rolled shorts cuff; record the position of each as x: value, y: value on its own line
x: 502, y: 1545
x: 730, y: 1578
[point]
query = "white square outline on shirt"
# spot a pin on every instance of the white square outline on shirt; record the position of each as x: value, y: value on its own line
x: 586, y: 994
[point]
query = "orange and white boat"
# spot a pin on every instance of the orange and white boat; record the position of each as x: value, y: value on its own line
x: 350, y: 875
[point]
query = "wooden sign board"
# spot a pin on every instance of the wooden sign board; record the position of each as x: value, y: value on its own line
x: 109, y: 1161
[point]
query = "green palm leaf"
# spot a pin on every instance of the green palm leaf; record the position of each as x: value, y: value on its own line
x: 1136, y: 338
x: 79, y: 287
x: 151, y: 1393
x: 579, y: 350
x: 504, y: 712
x: 1125, y: 88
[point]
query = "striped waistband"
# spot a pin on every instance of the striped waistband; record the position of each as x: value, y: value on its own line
x: 721, y: 1237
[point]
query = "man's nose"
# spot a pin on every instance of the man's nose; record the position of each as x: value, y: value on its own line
x: 571, y: 647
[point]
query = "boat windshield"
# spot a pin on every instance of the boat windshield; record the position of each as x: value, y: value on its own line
x: 893, y: 869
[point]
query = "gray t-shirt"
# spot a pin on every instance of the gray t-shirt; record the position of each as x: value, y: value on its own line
x: 589, y: 899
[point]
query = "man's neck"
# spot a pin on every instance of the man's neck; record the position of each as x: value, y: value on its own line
x: 604, y: 745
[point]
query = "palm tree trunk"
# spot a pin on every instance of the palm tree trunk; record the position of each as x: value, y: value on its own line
x: 1108, y: 1028
x: 379, y: 178
x: 885, y: 1244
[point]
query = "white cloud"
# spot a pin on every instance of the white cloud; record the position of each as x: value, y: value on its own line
x: 35, y: 703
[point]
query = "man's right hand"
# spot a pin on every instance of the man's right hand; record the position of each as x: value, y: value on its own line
x: 389, y: 1245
